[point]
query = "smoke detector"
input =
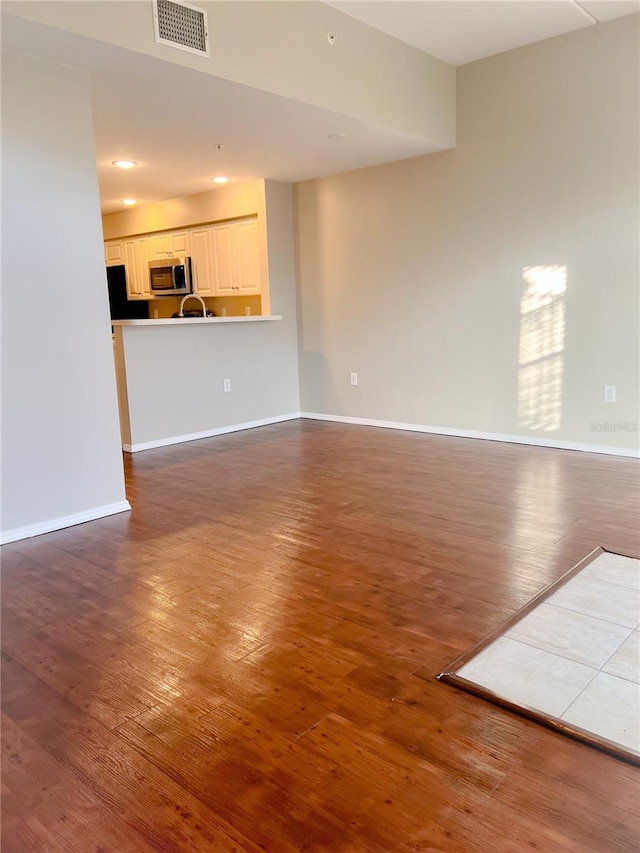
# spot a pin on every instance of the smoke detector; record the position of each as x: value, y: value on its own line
x: 181, y: 25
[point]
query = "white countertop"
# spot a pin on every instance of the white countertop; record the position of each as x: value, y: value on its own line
x: 183, y: 321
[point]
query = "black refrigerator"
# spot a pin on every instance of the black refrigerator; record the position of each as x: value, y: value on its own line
x: 122, y: 308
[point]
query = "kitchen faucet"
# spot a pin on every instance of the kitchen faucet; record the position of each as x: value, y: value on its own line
x: 192, y: 296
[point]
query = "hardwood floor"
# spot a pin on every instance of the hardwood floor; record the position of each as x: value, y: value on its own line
x: 247, y: 661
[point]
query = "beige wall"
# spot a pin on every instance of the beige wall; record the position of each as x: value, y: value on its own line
x: 61, y: 459
x: 413, y: 274
x: 226, y: 202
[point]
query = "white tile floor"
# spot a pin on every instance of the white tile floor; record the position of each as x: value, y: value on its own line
x: 576, y: 656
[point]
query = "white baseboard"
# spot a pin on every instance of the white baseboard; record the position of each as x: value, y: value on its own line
x: 124, y: 506
x: 66, y: 521
x: 535, y: 441
x: 207, y: 433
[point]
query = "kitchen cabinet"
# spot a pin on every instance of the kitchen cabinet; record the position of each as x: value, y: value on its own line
x: 235, y: 258
x: 224, y: 257
x: 202, y: 261
x: 222, y: 244
x: 114, y: 253
x: 136, y: 261
x: 248, y: 266
x: 173, y: 244
x: 134, y: 255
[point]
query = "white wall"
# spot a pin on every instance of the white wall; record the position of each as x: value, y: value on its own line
x: 412, y: 274
x: 61, y: 459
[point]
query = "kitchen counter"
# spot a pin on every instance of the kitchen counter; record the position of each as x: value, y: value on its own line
x: 183, y: 321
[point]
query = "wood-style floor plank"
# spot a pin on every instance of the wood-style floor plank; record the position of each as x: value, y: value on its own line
x: 247, y: 661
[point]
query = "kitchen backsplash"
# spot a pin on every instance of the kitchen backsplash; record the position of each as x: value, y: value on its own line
x: 230, y: 306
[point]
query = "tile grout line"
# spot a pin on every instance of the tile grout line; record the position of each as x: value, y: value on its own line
x: 605, y: 662
x: 582, y: 613
x: 531, y: 645
x: 598, y: 671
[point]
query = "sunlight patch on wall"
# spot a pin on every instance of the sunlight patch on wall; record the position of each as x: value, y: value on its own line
x: 541, y: 355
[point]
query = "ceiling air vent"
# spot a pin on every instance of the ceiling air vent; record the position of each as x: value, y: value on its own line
x: 181, y: 25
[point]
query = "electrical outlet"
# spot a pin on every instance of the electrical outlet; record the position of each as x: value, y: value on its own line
x: 226, y: 384
x: 609, y: 393
x: 354, y: 378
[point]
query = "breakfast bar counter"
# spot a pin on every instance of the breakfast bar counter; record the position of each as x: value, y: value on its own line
x: 180, y: 379
x: 181, y: 321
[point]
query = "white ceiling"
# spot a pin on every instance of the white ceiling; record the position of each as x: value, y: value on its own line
x: 168, y: 118
x: 461, y: 31
x: 263, y: 135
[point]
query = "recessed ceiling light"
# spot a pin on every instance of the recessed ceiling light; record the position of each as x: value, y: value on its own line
x: 220, y: 179
x: 336, y: 135
x: 129, y: 201
x: 125, y: 164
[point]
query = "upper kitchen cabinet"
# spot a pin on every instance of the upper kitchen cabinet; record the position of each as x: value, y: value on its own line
x: 225, y: 257
x: 132, y: 254
x: 136, y: 261
x: 202, y: 261
x: 248, y: 270
x: 235, y: 258
x: 114, y: 253
x: 173, y: 244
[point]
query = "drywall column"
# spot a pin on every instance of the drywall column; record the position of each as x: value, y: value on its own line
x: 61, y: 458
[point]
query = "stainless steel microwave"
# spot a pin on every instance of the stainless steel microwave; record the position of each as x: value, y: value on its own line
x: 170, y: 277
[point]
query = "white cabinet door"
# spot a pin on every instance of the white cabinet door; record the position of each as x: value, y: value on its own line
x: 144, y: 249
x: 159, y: 247
x: 247, y: 279
x: 202, y: 261
x: 223, y: 259
x: 179, y: 244
x: 132, y: 269
x: 236, y: 258
x: 167, y: 245
x: 136, y: 261
x: 114, y: 253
